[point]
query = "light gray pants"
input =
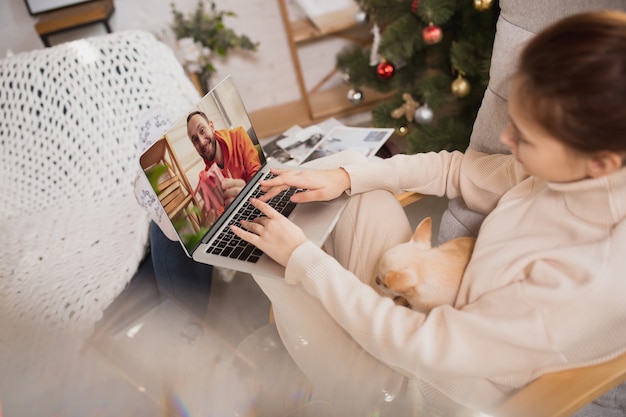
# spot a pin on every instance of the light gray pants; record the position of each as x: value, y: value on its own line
x: 341, y: 371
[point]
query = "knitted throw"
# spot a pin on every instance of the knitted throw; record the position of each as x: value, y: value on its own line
x: 71, y: 232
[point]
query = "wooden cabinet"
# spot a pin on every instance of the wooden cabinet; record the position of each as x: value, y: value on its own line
x: 316, y: 103
x: 73, y: 17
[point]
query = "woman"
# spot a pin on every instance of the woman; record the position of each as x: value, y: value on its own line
x: 543, y: 290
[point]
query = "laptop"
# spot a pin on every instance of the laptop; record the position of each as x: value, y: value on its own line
x: 191, y: 195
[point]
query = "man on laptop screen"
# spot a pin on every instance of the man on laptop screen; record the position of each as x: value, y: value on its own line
x: 230, y: 159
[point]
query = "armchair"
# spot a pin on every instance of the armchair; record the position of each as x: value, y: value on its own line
x: 562, y: 393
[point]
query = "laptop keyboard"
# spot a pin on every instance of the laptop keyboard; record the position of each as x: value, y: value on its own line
x: 230, y: 245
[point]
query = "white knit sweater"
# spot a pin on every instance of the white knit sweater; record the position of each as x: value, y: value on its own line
x: 543, y: 291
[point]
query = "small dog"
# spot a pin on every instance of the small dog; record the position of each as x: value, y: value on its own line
x: 422, y: 276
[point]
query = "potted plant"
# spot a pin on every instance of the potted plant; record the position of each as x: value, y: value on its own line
x: 200, y: 36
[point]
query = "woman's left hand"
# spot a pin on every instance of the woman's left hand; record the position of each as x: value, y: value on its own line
x: 273, y: 233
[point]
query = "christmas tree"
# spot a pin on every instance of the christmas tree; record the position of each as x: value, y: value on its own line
x: 435, y: 56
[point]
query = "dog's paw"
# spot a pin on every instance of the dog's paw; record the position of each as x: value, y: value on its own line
x: 401, y: 301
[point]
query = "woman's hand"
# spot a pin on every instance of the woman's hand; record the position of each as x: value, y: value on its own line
x: 231, y: 187
x: 273, y: 233
x: 319, y: 185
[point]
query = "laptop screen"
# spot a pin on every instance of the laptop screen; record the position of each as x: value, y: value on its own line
x: 201, y: 163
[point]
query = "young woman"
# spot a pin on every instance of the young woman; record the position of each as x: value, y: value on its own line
x: 544, y: 290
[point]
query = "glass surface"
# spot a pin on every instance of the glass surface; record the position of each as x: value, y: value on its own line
x: 179, y: 363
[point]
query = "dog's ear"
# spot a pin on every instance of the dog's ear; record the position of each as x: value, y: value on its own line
x: 398, y: 282
x: 424, y: 233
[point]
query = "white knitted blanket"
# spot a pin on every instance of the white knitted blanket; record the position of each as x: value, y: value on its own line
x: 71, y: 232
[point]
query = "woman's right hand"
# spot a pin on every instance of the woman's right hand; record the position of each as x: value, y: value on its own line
x: 318, y: 185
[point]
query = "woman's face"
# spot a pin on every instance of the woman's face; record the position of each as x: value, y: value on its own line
x: 202, y: 136
x: 541, y: 154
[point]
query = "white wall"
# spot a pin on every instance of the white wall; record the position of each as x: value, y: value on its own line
x: 264, y: 80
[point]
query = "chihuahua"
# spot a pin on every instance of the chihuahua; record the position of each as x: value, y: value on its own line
x: 417, y: 275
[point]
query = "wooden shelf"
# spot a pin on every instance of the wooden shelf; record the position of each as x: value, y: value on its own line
x: 334, y: 102
x: 304, y: 30
x: 317, y: 103
x: 274, y: 120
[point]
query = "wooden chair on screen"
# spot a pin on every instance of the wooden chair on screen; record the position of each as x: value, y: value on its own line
x: 173, y: 189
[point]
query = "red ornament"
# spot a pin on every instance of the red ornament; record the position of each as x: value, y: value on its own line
x: 415, y: 4
x: 432, y: 34
x: 385, y: 70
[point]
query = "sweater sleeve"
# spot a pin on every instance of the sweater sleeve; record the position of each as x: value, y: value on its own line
x: 479, y: 178
x: 448, y: 345
x: 356, y: 306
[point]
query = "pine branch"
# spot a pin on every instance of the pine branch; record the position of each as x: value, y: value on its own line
x: 437, y: 11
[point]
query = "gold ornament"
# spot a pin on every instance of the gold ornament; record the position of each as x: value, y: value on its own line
x: 402, y: 131
x: 482, y: 5
x: 407, y: 109
x: 460, y: 87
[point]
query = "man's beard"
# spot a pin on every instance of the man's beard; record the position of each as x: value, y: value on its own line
x: 208, y: 151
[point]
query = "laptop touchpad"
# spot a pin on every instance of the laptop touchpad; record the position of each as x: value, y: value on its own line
x: 315, y: 219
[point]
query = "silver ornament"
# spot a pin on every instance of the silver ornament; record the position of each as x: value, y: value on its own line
x: 355, y: 96
x: 424, y: 115
x: 361, y: 17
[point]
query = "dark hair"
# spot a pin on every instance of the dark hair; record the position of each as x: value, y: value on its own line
x: 572, y: 77
x: 196, y: 112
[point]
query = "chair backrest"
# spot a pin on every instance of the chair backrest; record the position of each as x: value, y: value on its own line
x: 517, y: 22
x: 560, y: 394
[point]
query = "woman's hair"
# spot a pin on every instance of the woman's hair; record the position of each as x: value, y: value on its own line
x: 572, y: 77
